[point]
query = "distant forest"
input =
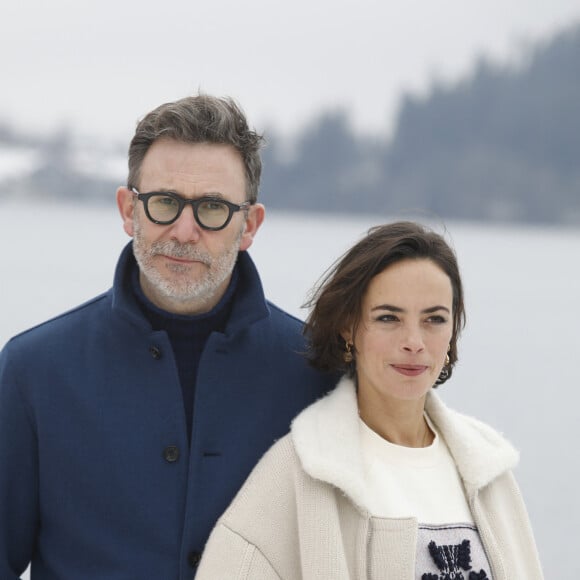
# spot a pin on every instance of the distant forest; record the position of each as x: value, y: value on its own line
x: 501, y: 145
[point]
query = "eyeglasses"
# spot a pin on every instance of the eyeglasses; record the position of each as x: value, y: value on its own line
x: 211, y: 213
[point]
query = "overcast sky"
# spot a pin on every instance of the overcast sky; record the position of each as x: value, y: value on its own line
x: 99, y: 65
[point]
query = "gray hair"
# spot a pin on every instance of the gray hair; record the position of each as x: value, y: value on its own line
x: 199, y: 119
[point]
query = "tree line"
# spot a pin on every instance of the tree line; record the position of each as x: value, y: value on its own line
x: 499, y: 145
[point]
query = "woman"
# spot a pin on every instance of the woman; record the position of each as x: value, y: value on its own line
x: 380, y: 479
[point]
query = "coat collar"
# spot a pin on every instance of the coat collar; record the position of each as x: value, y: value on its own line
x: 480, y: 452
x: 327, y: 440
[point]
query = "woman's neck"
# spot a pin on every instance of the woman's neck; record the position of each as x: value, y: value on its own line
x: 399, y: 422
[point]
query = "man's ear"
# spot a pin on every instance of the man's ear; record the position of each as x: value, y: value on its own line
x: 126, y: 205
x: 255, y: 217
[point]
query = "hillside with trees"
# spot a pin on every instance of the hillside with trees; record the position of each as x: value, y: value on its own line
x: 499, y: 145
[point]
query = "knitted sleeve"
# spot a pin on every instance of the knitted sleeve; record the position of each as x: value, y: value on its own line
x: 228, y: 556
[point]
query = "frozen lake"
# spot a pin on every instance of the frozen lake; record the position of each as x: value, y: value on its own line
x: 518, y: 355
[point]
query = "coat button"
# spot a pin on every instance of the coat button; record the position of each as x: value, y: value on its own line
x: 155, y: 351
x: 194, y: 559
x: 171, y: 453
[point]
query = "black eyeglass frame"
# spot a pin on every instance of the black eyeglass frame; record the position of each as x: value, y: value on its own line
x: 195, y: 203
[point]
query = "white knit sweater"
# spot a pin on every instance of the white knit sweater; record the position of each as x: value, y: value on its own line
x: 303, y: 513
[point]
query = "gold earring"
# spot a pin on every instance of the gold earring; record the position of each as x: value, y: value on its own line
x: 446, y: 370
x: 348, y: 352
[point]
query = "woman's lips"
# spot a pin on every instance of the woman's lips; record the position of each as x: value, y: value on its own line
x: 410, y: 370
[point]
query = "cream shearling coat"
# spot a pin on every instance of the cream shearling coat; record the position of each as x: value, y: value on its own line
x: 302, y: 512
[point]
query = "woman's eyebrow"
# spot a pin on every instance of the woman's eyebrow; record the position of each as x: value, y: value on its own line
x: 387, y: 307
x: 392, y: 308
x: 435, y: 309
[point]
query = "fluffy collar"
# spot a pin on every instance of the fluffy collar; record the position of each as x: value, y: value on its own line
x: 327, y: 441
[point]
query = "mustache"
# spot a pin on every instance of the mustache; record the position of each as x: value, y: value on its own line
x: 182, y: 251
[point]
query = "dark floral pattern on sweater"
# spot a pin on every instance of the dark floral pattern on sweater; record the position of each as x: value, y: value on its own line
x: 452, y: 561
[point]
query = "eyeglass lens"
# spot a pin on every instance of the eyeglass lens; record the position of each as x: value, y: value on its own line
x: 210, y: 213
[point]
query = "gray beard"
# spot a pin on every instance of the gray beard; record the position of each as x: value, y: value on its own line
x: 183, y: 290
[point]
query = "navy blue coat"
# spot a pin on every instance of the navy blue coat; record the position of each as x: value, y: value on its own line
x: 97, y: 480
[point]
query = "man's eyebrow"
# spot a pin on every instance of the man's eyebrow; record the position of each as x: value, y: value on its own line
x: 208, y: 195
x: 392, y: 308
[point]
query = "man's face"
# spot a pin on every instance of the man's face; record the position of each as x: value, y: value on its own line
x: 184, y: 268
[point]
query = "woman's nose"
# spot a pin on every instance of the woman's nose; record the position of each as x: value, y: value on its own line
x: 412, y: 341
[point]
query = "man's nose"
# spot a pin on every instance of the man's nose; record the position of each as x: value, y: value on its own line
x: 185, y: 228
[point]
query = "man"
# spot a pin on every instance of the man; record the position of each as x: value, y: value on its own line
x: 128, y: 424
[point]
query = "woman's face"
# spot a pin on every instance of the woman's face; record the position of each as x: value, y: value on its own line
x: 405, y: 330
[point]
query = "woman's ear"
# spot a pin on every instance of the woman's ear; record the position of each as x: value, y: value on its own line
x: 346, y: 335
x: 348, y: 353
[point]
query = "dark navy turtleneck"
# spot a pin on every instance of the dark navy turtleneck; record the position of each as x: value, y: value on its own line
x: 188, y: 335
